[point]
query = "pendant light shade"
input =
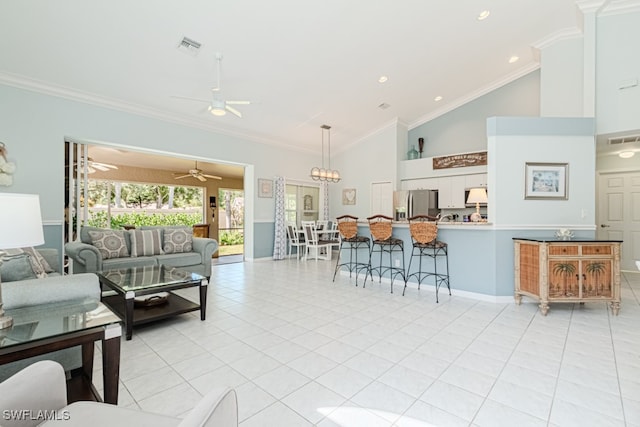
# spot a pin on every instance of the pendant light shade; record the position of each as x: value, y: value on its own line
x: 320, y: 173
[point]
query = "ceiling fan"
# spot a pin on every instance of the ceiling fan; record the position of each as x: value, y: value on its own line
x: 93, y: 166
x: 196, y: 173
x: 217, y: 105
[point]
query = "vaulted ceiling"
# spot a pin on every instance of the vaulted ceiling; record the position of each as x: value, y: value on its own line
x: 302, y: 63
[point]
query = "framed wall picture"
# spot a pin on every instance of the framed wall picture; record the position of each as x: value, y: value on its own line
x: 349, y: 196
x: 265, y: 188
x: 546, y: 181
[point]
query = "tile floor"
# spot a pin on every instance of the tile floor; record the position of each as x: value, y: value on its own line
x: 301, y: 350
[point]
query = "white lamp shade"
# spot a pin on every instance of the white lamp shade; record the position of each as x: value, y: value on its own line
x: 477, y: 195
x: 20, y: 221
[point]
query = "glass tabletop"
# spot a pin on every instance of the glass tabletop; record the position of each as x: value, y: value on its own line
x: 50, y: 320
x: 151, y: 276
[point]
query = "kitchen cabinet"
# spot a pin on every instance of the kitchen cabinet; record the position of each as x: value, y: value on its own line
x: 476, y: 180
x: 572, y: 271
x: 420, y: 184
x: 451, y: 192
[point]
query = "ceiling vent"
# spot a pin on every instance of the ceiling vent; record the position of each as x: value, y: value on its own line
x: 624, y: 139
x: 189, y: 46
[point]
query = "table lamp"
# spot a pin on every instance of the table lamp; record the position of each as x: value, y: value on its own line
x: 477, y: 196
x: 20, y: 226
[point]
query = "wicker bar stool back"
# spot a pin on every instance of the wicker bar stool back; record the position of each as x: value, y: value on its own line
x: 387, y: 247
x: 424, y: 233
x: 351, y: 242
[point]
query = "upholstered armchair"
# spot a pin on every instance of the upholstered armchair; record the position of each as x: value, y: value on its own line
x: 36, y: 396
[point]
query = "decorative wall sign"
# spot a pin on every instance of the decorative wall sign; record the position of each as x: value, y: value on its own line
x: 545, y: 181
x: 349, y: 196
x: 460, y: 160
x: 265, y: 188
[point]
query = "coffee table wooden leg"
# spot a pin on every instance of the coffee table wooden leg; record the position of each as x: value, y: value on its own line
x: 128, y: 314
x: 111, y: 363
x: 203, y: 299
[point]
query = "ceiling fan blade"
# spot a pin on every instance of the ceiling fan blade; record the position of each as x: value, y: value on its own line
x: 201, y: 178
x: 238, y: 102
x: 211, y: 176
x: 182, y: 176
x: 233, y: 111
x: 104, y: 165
x: 188, y: 98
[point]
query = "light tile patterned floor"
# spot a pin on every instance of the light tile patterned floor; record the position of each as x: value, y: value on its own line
x: 301, y: 350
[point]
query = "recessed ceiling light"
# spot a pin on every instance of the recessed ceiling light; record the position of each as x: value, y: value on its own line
x: 513, y: 59
x: 383, y: 79
x: 483, y: 15
x: 626, y: 154
x: 437, y: 98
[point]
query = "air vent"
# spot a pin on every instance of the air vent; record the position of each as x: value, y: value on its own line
x: 624, y: 139
x: 384, y: 106
x: 189, y: 46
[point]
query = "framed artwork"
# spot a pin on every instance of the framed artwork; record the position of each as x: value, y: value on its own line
x: 265, y: 188
x: 546, y: 181
x: 349, y: 196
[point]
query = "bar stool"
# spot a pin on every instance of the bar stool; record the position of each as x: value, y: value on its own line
x: 424, y: 233
x: 384, y: 243
x: 349, y: 240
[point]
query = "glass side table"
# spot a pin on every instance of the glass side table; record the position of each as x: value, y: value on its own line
x: 45, y: 328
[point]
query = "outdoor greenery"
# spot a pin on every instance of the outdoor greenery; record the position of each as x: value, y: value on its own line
x: 127, y: 195
x: 138, y: 219
x: 231, y: 237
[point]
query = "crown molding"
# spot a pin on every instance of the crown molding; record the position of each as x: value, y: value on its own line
x: 45, y: 88
x: 608, y: 7
x: 551, y: 39
x: 475, y: 95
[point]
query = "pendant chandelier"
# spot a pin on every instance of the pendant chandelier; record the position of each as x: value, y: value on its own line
x: 322, y: 174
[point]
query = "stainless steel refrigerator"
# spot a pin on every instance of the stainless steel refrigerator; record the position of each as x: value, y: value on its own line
x: 409, y: 203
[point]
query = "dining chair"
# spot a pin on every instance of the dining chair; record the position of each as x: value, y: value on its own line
x: 313, y: 242
x: 295, y: 239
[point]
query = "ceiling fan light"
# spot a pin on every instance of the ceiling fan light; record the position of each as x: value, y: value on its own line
x: 626, y: 154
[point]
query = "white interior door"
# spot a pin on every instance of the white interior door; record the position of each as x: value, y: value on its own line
x: 619, y: 213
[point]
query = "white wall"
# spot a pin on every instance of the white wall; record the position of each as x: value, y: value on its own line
x: 618, y: 45
x: 372, y: 159
x: 561, y: 79
x: 514, y: 141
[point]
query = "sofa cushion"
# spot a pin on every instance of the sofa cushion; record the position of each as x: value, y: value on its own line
x: 146, y: 242
x: 110, y: 243
x: 39, y: 265
x: 180, y: 260
x: 118, y: 263
x: 17, y: 267
x: 178, y: 240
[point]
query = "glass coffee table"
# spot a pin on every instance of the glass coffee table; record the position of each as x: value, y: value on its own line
x: 46, y: 328
x: 144, y: 294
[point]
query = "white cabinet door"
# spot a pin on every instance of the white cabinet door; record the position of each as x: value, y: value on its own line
x: 451, y: 192
x: 476, y: 180
x: 382, y: 198
x: 420, y: 184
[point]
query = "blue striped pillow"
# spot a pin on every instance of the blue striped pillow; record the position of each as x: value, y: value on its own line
x: 146, y: 242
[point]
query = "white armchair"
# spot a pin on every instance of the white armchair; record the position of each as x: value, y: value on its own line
x: 36, y: 396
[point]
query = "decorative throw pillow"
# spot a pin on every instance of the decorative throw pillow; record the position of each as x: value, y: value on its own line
x: 178, y: 240
x: 110, y: 243
x: 14, y: 268
x: 39, y: 265
x: 146, y: 242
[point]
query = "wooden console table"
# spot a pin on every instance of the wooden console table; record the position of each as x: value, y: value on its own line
x: 577, y: 270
